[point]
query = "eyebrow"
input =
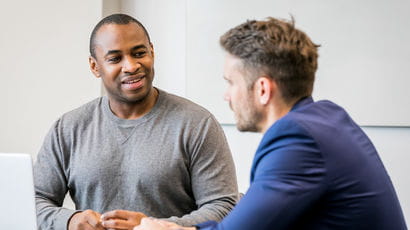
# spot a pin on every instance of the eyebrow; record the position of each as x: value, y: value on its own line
x: 110, y: 52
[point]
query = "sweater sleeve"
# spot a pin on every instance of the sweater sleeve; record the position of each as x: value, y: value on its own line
x: 213, y: 177
x: 51, y: 183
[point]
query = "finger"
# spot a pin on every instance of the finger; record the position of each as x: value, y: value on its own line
x: 147, y: 220
x: 164, y: 222
x: 117, y: 224
x: 130, y: 218
x: 136, y: 217
x: 93, y: 218
x: 160, y: 222
x: 118, y: 214
x: 149, y: 223
x: 88, y: 226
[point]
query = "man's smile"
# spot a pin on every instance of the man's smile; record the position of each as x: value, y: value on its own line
x: 133, y: 83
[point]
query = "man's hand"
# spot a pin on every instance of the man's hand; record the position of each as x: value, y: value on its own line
x: 156, y: 224
x: 85, y: 220
x: 121, y: 219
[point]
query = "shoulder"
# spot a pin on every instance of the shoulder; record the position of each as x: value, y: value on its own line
x: 81, y: 115
x: 287, y: 146
x: 192, y: 121
x: 285, y: 131
x: 73, y: 121
x: 315, y: 118
x: 183, y: 107
x: 299, y: 129
x: 317, y: 112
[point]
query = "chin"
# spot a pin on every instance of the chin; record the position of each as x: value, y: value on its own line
x: 241, y: 127
x: 142, y: 96
x: 247, y: 127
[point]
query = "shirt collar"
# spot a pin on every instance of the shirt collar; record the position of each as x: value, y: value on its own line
x: 303, y: 101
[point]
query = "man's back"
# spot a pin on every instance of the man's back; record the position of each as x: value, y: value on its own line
x: 316, y: 169
x: 348, y: 184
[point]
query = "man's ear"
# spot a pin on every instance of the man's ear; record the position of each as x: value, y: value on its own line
x: 152, y: 49
x: 265, y: 89
x: 94, y: 66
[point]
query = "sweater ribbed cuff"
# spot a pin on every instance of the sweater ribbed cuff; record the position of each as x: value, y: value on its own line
x: 62, y: 218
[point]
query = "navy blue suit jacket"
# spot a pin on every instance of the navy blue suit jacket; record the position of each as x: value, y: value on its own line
x: 316, y: 169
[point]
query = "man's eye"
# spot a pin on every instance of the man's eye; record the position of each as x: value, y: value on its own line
x: 114, y: 59
x: 140, y: 54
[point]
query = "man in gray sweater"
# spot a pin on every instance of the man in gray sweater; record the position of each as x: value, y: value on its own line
x: 137, y: 151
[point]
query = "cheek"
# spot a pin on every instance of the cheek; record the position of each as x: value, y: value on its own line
x: 147, y: 63
x: 112, y: 71
x: 236, y: 95
x: 231, y: 94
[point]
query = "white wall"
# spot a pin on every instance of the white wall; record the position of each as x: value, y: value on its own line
x: 43, y: 67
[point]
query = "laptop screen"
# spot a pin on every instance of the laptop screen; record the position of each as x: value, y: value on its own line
x: 17, y: 204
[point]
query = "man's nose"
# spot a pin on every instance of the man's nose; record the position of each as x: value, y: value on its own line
x: 226, y: 96
x: 130, y: 65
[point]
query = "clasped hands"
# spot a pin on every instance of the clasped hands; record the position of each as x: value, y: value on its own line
x: 119, y: 220
x: 112, y: 220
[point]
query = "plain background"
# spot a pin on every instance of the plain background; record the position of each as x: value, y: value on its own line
x: 44, y: 73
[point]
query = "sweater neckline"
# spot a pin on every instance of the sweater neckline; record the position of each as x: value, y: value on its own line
x: 132, y: 122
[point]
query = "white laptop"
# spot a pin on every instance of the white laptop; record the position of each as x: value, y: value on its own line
x: 17, y: 205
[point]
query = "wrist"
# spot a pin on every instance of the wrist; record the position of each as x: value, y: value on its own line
x: 70, y: 220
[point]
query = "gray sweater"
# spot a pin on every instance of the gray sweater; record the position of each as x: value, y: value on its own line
x: 174, y: 162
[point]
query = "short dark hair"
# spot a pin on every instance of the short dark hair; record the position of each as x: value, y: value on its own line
x: 119, y: 19
x: 276, y: 48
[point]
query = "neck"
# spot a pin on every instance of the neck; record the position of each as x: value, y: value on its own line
x: 129, y: 111
x: 276, y: 111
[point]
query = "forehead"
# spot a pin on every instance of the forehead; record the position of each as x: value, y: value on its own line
x: 115, y: 36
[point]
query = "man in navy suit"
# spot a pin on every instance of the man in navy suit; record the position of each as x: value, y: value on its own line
x: 315, y: 168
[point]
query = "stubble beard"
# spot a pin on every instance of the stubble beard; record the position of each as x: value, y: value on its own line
x: 248, y: 119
